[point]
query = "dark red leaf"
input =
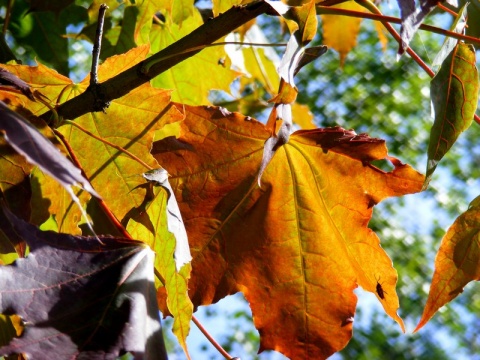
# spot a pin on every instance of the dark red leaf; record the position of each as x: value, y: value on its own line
x: 38, y: 150
x: 412, y: 19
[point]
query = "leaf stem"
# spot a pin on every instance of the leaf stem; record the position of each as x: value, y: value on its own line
x: 371, y: 7
x: 217, y: 346
x: 447, y: 10
x: 204, y: 331
x: 119, y: 148
x: 391, y: 19
x: 97, y: 46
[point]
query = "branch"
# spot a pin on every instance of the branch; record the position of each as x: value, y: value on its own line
x: 97, y: 46
x: 371, y: 7
x: 7, y: 16
x: 217, y: 346
x: 133, y: 77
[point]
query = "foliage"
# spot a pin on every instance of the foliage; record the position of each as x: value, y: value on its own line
x: 281, y: 216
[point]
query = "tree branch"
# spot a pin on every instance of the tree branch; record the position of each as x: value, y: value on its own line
x: 97, y: 46
x: 133, y: 77
x: 371, y: 7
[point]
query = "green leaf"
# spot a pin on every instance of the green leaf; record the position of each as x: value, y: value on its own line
x: 183, y: 78
x: 306, y: 18
x: 49, y: 5
x: 133, y: 31
x: 454, y: 92
x: 44, y: 32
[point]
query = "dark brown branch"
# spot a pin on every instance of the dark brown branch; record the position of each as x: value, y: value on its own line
x: 132, y: 78
x: 7, y: 16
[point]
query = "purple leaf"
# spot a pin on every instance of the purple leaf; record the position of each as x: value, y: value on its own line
x: 412, y: 19
x: 38, y: 150
x: 81, y: 300
x: 7, y: 78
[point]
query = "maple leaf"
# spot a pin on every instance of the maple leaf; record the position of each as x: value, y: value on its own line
x: 43, y: 31
x: 295, y: 56
x: 130, y: 123
x: 29, y: 142
x: 296, y: 247
x: 66, y: 277
x: 174, y: 217
x: 133, y: 30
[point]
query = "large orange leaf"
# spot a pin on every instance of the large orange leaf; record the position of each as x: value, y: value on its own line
x: 457, y: 262
x: 298, y: 246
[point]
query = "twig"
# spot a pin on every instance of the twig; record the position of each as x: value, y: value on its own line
x: 7, y: 16
x: 209, y: 337
x: 119, y: 148
x: 99, y: 101
x: 444, y: 8
x: 371, y: 7
x: 101, y: 203
x: 97, y: 45
x: 391, y: 19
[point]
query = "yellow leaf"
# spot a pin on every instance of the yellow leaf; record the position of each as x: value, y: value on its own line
x: 130, y: 122
x: 340, y: 32
x: 302, y: 116
x: 149, y: 223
